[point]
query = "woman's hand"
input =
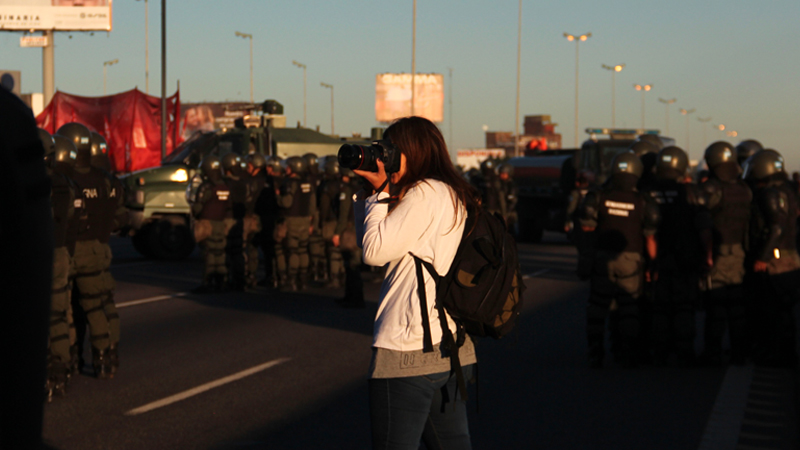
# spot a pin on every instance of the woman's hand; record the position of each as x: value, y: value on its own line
x: 376, y: 179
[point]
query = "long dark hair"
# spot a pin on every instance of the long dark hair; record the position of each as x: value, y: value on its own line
x: 427, y: 157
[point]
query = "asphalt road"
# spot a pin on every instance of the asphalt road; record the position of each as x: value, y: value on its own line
x: 288, y: 371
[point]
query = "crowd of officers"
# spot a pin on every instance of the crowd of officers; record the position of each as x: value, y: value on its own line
x: 88, y: 206
x: 298, y: 211
x: 657, y: 247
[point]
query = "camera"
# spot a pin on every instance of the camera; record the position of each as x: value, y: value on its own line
x: 359, y: 157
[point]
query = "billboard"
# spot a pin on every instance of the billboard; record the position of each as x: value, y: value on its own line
x: 209, y: 116
x: 472, y: 158
x: 393, y: 96
x: 67, y: 15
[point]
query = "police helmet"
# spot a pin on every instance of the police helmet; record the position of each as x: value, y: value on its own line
x: 232, y: 163
x: 718, y: 153
x: 274, y: 163
x: 211, y: 167
x: 331, y: 167
x: 763, y: 164
x: 47, y: 142
x: 746, y: 149
x: 505, y: 168
x: 654, y: 140
x: 99, y: 145
x: 312, y: 163
x: 488, y: 166
x: 256, y: 160
x: 644, y: 147
x: 79, y: 135
x: 672, y: 161
x: 63, y: 151
x: 627, y: 162
x: 296, y: 164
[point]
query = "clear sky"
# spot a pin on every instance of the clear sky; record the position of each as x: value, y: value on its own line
x: 734, y: 61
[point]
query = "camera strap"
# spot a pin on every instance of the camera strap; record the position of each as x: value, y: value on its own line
x: 390, y: 199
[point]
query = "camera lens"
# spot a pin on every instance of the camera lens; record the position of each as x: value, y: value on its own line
x: 357, y: 157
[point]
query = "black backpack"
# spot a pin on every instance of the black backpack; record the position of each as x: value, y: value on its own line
x: 482, y: 291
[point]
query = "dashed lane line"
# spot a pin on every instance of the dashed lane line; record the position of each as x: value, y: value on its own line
x: 724, y: 425
x: 150, y: 300
x: 535, y: 274
x: 205, y: 387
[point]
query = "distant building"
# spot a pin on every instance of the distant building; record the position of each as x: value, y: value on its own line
x: 539, y: 135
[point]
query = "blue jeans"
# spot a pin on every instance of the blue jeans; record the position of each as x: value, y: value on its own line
x: 405, y: 411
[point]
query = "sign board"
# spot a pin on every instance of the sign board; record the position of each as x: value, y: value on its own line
x: 209, y: 116
x: 33, y: 41
x: 393, y: 96
x: 472, y: 158
x: 60, y: 15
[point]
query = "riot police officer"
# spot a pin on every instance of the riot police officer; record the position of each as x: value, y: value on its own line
x: 746, y: 149
x: 267, y: 209
x: 775, y: 261
x: 295, y: 200
x: 505, y: 173
x: 62, y: 200
x: 729, y: 201
x: 488, y: 184
x: 647, y: 151
x: 344, y: 239
x: 316, y: 244
x: 92, y: 258
x: 625, y: 222
x: 212, y: 208
x: 233, y: 168
x: 329, y: 196
x: 684, y: 245
x: 256, y: 163
x: 116, y: 219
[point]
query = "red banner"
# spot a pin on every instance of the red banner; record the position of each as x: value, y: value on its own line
x: 130, y: 122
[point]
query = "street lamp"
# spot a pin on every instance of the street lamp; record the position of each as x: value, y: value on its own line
x: 578, y: 40
x: 105, y: 72
x: 704, y: 121
x: 519, y: 59
x: 146, y: 51
x: 686, y: 113
x: 249, y: 36
x: 614, y: 70
x: 667, y: 103
x: 303, y: 66
x: 644, y: 88
x: 330, y: 86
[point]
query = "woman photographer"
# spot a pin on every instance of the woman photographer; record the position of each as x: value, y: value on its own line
x: 422, y: 213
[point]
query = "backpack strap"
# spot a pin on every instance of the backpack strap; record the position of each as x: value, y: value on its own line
x: 449, y: 343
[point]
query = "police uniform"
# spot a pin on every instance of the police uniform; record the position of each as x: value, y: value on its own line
x: 211, y: 209
x: 267, y: 210
x: 295, y: 200
x: 253, y: 226
x: 236, y: 238
x: 509, y: 192
x: 351, y: 253
x: 729, y: 201
x: 684, y: 217
x: 621, y: 217
x: 773, y: 243
x: 331, y: 195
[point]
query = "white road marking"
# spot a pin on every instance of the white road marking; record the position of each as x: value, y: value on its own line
x: 536, y: 274
x: 725, y: 423
x: 205, y: 387
x: 150, y: 300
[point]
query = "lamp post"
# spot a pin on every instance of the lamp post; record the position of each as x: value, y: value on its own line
x: 105, y: 72
x: 644, y: 88
x: 330, y: 86
x: 703, y: 121
x: 519, y: 59
x: 614, y: 70
x: 667, y: 103
x: 413, y: 59
x: 249, y: 36
x: 303, y: 66
x: 578, y: 40
x: 146, y: 51
x: 686, y: 113
x: 450, y: 100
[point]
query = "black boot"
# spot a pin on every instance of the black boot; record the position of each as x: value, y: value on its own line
x: 101, y: 363
x: 113, y: 360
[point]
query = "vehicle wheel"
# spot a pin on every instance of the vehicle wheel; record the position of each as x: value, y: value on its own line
x: 171, y: 239
x: 141, y: 241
